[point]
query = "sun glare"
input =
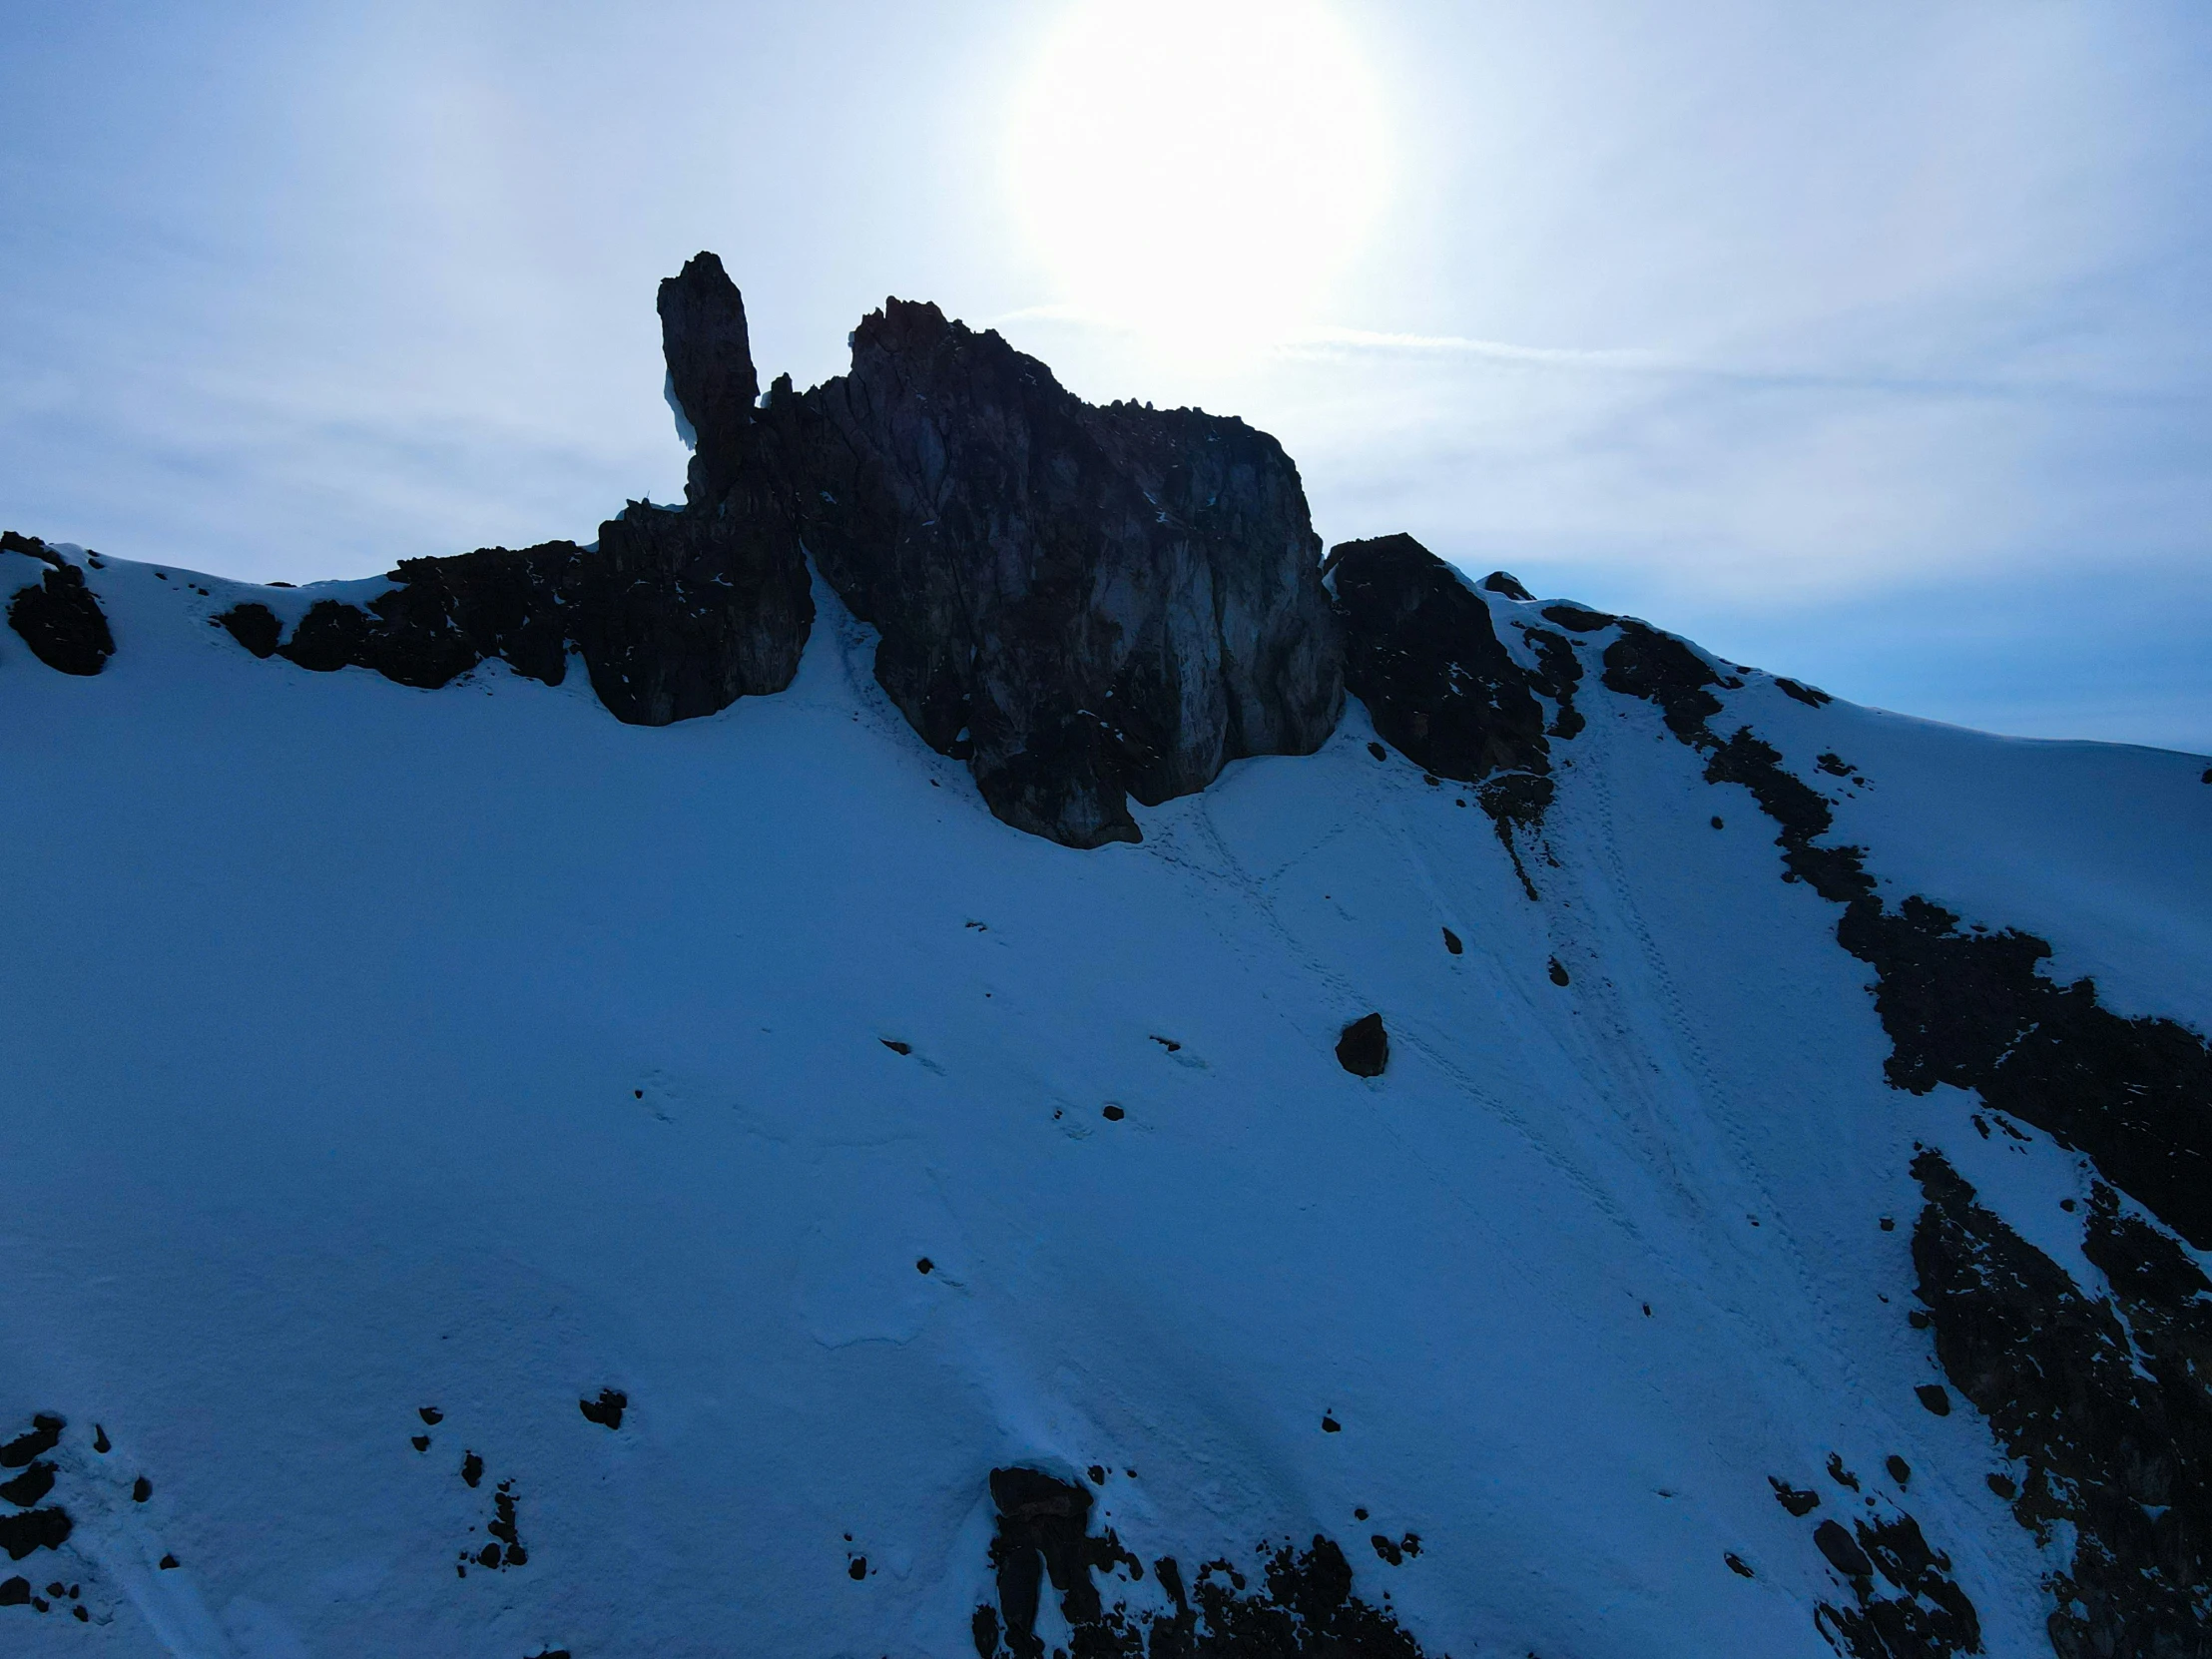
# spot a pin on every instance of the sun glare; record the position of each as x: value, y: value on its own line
x: 1200, y: 169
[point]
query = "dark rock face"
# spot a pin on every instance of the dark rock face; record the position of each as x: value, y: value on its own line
x: 1087, y: 604
x: 254, y: 625
x: 681, y: 614
x: 1422, y: 652
x: 34, y: 1529
x: 1304, y: 1607
x: 58, y: 618
x: 2107, y: 1402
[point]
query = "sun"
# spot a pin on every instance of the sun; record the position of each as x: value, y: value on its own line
x: 1198, y: 169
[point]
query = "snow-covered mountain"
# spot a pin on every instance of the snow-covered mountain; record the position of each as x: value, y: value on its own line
x: 1137, y: 1101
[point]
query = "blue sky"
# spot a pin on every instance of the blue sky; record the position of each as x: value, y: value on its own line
x: 1868, y: 343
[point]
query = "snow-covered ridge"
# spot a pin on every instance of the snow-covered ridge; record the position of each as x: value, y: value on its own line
x: 395, y: 1075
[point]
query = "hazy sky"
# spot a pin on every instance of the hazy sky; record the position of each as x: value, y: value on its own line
x: 1870, y: 343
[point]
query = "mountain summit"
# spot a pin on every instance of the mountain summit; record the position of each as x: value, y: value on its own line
x: 1068, y: 1076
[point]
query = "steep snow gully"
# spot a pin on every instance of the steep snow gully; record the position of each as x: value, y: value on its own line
x: 1067, y: 1077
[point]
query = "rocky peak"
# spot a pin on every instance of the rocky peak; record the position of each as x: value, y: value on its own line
x: 1087, y: 604
x: 709, y: 371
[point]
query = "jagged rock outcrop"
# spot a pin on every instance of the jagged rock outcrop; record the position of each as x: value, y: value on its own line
x: 1422, y: 652
x: 677, y: 613
x: 58, y: 616
x: 1301, y: 1609
x: 1087, y: 604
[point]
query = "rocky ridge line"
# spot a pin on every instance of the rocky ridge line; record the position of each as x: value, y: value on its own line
x: 1086, y: 604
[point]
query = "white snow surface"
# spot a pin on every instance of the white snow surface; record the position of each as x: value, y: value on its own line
x: 366, y: 1049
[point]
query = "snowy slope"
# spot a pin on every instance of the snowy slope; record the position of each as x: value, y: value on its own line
x: 366, y: 1049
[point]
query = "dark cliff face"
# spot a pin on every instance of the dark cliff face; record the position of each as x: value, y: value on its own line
x: 1086, y: 603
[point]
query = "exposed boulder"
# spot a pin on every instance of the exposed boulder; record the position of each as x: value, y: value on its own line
x: 1363, y: 1046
